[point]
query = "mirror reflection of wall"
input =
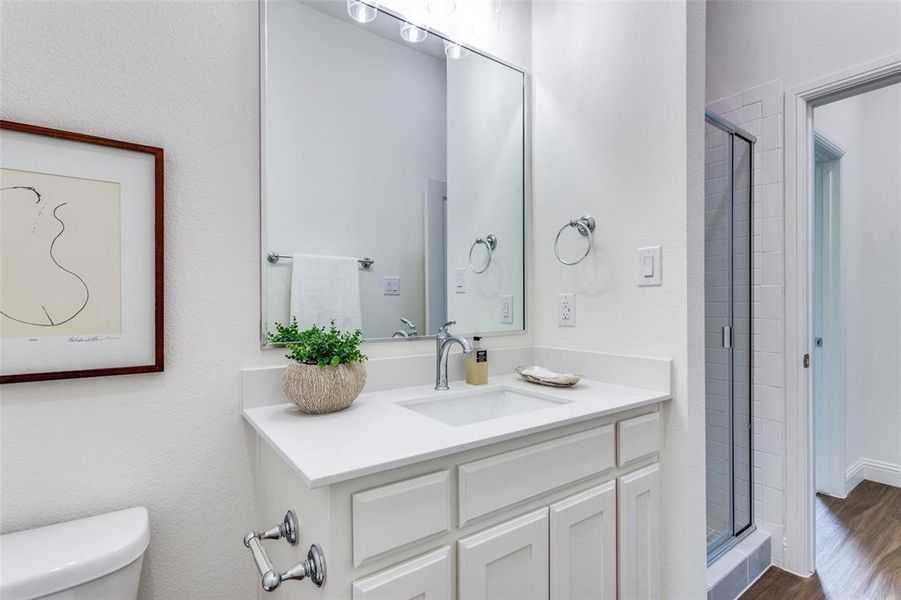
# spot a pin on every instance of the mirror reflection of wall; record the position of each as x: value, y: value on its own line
x: 405, y: 153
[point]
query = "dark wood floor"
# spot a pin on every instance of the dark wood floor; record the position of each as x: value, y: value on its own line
x: 858, y: 551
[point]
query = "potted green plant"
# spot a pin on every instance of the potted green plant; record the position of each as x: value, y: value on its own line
x: 327, y: 369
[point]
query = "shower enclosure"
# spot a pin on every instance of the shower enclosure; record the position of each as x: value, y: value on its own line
x: 727, y: 317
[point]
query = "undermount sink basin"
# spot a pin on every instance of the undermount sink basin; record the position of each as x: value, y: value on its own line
x: 475, y: 407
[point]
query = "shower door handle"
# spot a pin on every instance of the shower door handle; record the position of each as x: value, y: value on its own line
x: 727, y: 336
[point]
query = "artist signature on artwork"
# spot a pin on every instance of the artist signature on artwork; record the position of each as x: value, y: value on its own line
x: 87, y: 339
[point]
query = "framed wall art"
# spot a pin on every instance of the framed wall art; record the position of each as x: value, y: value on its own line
x: 81, y: 255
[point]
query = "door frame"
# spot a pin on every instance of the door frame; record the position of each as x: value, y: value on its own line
x: 800, y: 515
x: 828, y: 377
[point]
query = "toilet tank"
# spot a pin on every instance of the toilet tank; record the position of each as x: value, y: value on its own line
x: 96, y: 558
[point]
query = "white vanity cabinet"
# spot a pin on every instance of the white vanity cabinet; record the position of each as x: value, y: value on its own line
x: 509, y: 560
x: 568, y: 512
x: 583, y: 544
x: 639, y: 533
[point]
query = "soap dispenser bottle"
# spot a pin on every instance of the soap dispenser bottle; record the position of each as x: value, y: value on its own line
x: 477, y: 364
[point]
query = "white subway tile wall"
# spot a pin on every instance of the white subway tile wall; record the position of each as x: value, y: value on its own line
x: 759, y: 111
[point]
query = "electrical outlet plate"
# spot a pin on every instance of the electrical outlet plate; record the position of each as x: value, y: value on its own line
x: 392, y: 286
x: 506, y: 309
x: 566, y: 310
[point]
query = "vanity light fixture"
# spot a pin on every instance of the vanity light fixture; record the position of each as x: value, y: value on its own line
x: 363, y: 11
x: 411, y: 33
x: 442, y: 8
x: 453, y: 51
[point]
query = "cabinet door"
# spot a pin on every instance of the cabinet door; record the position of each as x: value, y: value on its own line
x: 583, y: 545
x: 506, y: 562
x: 427, y: 577
x: 639, y: 534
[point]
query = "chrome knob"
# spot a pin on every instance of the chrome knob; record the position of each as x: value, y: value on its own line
x: 271, y: 580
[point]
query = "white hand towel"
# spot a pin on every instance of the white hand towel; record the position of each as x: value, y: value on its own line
x: 326, y: 288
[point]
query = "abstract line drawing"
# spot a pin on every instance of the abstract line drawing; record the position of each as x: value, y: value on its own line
x: 60, y: 248
x: 80, y: 298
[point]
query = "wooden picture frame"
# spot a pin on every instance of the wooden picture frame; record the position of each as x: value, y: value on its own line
x: 113, y: 192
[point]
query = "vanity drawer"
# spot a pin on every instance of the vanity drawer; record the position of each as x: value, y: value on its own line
x: 638, y: 437
x: 394, y: 515
x: 427, y: 576
x: 499, y: 481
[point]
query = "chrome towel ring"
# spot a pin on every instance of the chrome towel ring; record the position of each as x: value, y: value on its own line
x: 585, y: 226
x: 490, y: 243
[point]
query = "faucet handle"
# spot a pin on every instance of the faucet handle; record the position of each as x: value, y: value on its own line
x: 443, y: 328
x: 410, y: 326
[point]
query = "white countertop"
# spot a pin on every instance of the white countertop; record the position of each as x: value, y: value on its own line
x: 376, y: 434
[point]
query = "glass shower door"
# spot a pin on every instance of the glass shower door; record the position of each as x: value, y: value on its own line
x: 717, y: 315
x: 741, y: 333
x: 727, y: 312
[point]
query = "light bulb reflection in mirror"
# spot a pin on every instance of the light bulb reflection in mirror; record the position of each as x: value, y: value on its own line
x: 363, y: 11
x: 453, y: 51
x: 411, y: 33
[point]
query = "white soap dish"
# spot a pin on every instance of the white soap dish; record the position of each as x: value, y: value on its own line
x: 542, y: 376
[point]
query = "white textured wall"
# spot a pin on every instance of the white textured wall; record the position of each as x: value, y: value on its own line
x: 356, y: 127
x: 184, y: 76
x: 881, y: 293
x: 866, y: 127
x: 181, y: 75
x: 749, y: 43
x: 602, y: 145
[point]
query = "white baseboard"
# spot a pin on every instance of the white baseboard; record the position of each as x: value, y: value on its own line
x: 872, y: 470
x: 882, y: 472
x: 853, y: 477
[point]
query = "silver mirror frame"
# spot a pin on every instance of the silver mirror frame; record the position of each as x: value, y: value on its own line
x: 527, y: 187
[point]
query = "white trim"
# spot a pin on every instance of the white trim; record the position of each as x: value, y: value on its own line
x: 799, y: 483
x: 853, y: 477
x: 872, y: 470
x: 882, y: 472
x: 831, y: 149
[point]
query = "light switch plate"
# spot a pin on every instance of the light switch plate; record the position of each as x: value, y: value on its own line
x: 460, y: 281
x: 566, y: 310
x: 650, y: 266
x: 392, y: 286
x: 506, y: 309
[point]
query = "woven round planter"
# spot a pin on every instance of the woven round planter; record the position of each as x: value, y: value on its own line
x: 323, y: 389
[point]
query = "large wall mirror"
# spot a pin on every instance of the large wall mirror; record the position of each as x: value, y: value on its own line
x: 393, y: 177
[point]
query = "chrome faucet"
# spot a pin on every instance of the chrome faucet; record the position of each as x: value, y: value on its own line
x: 409, y: 332
x: 444, y: 340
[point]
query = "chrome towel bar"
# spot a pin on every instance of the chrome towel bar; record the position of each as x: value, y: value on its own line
x: 273, y: 257
x: 313, y: 568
